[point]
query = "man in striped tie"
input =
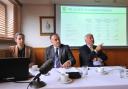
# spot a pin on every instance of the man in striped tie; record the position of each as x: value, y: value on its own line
x: 59, y: 53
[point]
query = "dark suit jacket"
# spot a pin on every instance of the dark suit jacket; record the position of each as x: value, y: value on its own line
x: 64, y: 54
x: 85, y: 55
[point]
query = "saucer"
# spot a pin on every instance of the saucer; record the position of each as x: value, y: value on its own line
x: 105, y: 73
x: 66, y: 82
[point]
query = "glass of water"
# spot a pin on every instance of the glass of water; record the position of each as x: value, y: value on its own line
x: 84, y: 70
x: 123, y: 72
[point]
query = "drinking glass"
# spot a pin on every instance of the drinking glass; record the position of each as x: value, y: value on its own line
x: 84, y: 71
x: 122, y: 72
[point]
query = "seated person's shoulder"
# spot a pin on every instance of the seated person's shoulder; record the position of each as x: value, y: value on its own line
x: 49, y: 48
x: 28, y: 47
x: 12, y: 47
x: 65, y: 46
x: 82, y: 47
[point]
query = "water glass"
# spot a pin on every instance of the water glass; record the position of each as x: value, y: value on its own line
x: 84, y: 71
x: 126, y: 70
x: 123, y: 73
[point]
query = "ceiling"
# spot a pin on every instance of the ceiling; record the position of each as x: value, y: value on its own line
x: 35, y: 1
x: 81, y: 2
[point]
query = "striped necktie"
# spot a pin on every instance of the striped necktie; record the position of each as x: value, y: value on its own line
x: 57, y: 61
x: 56, y: 52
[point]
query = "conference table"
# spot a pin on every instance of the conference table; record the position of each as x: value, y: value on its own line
x: 111, y: 79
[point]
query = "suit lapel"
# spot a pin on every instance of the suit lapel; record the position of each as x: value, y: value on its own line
x: 27, y: 52
x: 87, y: 48
x: 52, y: 52
x: 60, y: 52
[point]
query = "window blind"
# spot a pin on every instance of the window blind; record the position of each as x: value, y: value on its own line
x: 6, y: 20
x: 2, y: 20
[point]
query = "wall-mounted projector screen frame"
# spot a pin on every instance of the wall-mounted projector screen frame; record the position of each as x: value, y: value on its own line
x: 108, y: 24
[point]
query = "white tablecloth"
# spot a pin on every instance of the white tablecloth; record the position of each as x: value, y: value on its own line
x: 94, y: 80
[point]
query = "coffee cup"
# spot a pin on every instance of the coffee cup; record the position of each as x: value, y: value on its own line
x: 100, y: 70
x: 35, y: 68
x: 64, y: 77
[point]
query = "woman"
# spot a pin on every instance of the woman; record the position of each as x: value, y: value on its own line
x: 20, y: 49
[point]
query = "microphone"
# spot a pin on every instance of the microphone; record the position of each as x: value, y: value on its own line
x: 44, y: 69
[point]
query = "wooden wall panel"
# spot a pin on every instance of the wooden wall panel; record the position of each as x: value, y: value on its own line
x: 76, y: 56
x: 39, y: 55
x: 3, y: 53
x: 115, y: 56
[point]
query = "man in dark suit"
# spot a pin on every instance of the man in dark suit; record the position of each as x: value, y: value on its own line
x: 90, y: 54
x: 59, y: 53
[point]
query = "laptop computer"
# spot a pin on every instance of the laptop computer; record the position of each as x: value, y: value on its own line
x: 14, y: 68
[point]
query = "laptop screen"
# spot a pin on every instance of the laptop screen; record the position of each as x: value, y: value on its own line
x: 15, y: 68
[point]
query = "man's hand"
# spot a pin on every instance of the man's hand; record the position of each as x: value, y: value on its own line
x: 99, y: 47
x: 95, y: 59
x: 67, y: 64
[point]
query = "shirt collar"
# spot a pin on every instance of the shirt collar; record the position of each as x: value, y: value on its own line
x: 89, y: 46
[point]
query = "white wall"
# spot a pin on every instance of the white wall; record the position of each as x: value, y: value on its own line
x: 31, y: 25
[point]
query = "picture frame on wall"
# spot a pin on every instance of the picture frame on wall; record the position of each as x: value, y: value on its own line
x: 47, y: 25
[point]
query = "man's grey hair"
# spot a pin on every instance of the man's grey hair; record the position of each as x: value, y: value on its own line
x: 89, y: 34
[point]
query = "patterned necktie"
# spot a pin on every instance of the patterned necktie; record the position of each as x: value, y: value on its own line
x: 57, y: 61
